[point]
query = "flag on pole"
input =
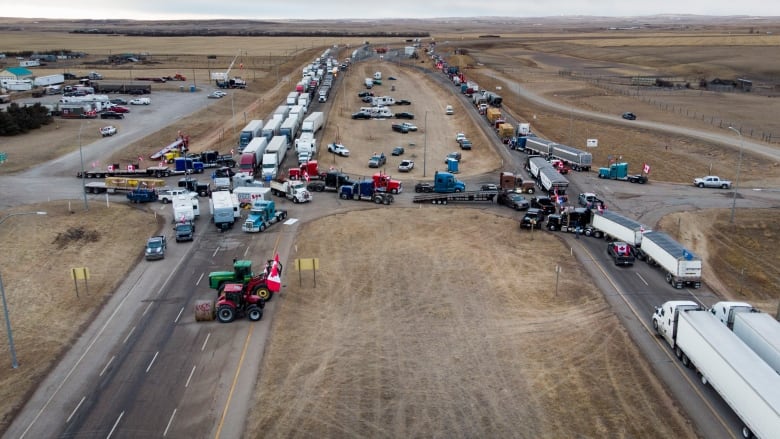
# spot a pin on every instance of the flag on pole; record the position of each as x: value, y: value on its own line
x: 306, y: 176
x: 646, y: 168
x: 232, y: 152
x: 140, y: 159
x: 273, y: 281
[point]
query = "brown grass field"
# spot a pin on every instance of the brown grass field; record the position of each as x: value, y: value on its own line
x: 458, y: 360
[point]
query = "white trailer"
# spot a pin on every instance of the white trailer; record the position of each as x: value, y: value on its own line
x: 292, y: 98
x: 535, y: 164
x: 221, y: 209
x: 281, y: 112
x: 271, y: 128
x: 289, y: 127
x: 248, y: 194
x: 552, y: 181
x: 577, y: 159
x: 537, y: 145
x: 43, y: 81
x: 746, y: 383
x: 16, y: 84
x: 185, y: 208
x: 681, y: 265
x: 273, y: 157
x: 313, y: 122
x: 758, y: 330
x: 616, y: 227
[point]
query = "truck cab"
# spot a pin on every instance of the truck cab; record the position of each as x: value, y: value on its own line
x: 155, y: 247
x: 726, y: 311
x: 621, y: 253
x: 445, y: 182
x: 184, y: 230
x: 665, y: 318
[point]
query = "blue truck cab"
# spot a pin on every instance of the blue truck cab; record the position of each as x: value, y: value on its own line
x: 445, y: 182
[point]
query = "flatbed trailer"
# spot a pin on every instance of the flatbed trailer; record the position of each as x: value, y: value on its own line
x: 441, y: 198
x: 122, y: 184
x: 152, y: 171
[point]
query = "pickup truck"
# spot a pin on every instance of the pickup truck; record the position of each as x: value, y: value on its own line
x: 621, y: 252
x: 377, y: 160
x: 185, y: 231
x: 712, y: 181
x: 155, y: 247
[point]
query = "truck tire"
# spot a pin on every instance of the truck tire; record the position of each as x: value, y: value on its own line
x: 378, y: 200
x: 343, y: 196
x: 394, y: 191
x: 678, y: 352
x: 254, y: 313
x: 531, y: 190
x: 551, y: 227
x: 724, y: 186
x: 669, y: 278
x: 165, y: 200
x: 262, y: 227
x: 655, y: 326
x: 295, y: 200
x: 746, y: 433
x: 226, y: 314
x: 685, y: 360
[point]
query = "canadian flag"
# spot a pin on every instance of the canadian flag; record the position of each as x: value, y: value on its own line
x: 273, y: 281
x: 232, y: 152
x: 140, y: 159
x: 306, y: 176
x: 646, y: 168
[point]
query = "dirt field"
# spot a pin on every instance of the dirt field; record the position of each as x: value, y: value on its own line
x: 433, y: 339
x: 446, y: 352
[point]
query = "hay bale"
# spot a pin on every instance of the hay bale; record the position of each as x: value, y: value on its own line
x: 205, y: 310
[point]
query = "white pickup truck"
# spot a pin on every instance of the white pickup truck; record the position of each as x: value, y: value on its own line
x: 712, y: 181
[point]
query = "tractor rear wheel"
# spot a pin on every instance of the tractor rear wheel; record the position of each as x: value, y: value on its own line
x: 226, y: 314
x: 263, y: 292
x: 254, y: 313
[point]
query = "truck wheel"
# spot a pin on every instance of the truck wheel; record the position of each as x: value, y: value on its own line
x: 262, y: 227
x: 263, y: 293
x: 655, y: 326
x: 378, y: 200
x: 678, y: 352
x: 551, y: 227
x: 686, y: 361
x: 704, y: 379
x: 343, y: 196
x: 669, y: 279
x: 394, y: 191
x: 725, y: 186
x: 254, y: 313
x: 444, y: 202
x: 226, y: 314
x: 530, y: 190
x: 295, y: 200
x: 746, y: 433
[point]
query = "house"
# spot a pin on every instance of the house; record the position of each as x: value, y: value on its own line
x: 16, y: 73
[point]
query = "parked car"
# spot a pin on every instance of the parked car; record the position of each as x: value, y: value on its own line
x: 629, y: 116
x: 111, y: 115
x: 361, y: 115
x: 449, y: 110
x: 513, y: 200
x: 119, y: 101
x: 107, y: 131
x: 489, y: 187
x: 405, y: 166
x: 404, y: 115
x: 367, y: 99
x: 363, y: 94
x: 119, y: 109
x: 465, y: 144
x: 339, y: 149
x: 453, y: 155
x: 155, y: 247
x: 459, y: 137
x: 403, y: 102
x: 410, y: 126
x: 140, y: 101
x: 377, y: 160
x: 533, y: 218
x: 400, y: 128
x: 214, y: 95
x: 712, y: 181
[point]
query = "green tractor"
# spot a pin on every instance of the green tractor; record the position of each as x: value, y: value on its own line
x: 242, y: 273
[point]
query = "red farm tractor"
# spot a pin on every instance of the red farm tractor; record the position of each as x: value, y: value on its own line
x: 236, y: 301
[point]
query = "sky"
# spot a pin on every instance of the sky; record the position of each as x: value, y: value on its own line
x: 357, y: 9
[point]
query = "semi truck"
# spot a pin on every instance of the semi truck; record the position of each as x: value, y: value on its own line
x: 273, y: 157
x: 313, y: 122
x: 289, y: 128
x: 682, y: 267
x: 511, y: 182
x: 365, y: 190
x: 43, y: 81
x: 746, y: 383
x: 576, y: 159
x: 619, y: 171
x: 616, y: 227
x: 292, y: 98
x: 250, y: 131
x: 534, y: 164
x: 252, y: 156
x: 760, y: 331
x: 281, y: 112
x: 552, y: 181
x: 537, y: 146
x: 271, y: 128
x: 263, y: 215
x: 330, y: 181
x: 294, y: 190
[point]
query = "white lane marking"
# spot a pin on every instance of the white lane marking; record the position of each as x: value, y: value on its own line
x: 152, y: 362
x: 170, y: 421
x: 115, y: 425
x: 110, y: 360
x: 203, y: 348
x: 128, y: 335
x: 75, y: 409
x: 199, y: 279
x: 192, y: 372
x: 178, y: 316
x: 642, y: 279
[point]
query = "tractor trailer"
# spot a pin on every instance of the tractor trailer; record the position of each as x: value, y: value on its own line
x: 616, y: 227
x: 575, y: 158
x: 552, y: 181
x: 250, y: 131
x: 273, y: 157
x: 681, y: 265
x: 313, y: 122
x: 760, y: 331
x: 746, y: 383
x: 535, y: 163
x: 252, y: 156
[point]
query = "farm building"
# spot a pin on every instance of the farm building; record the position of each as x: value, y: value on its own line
x: 16, y: 73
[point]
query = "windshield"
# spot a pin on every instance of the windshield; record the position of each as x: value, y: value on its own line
x: 154, y: 244
x: 183, y: 228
